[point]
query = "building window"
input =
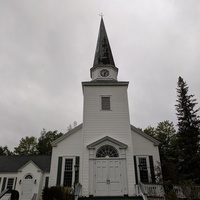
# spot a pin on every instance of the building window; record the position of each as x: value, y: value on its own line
x: 28, y: 176
x: 46, y: 182
x: 68, y: 172
x: 4, y: 184
x: 105, y: 103
x: 10, y: 183
x: 107, y: 151
x: 143, y: 170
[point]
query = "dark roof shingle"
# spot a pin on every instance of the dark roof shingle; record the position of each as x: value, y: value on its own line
x: 14, y: 163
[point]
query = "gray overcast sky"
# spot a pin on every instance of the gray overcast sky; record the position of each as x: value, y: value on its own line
x: 47, y: 49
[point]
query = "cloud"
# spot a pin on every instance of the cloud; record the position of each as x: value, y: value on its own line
x: 47, y: 50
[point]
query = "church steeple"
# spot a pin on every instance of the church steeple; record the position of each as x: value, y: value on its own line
x: 103, y: 57
x: 103, y: 54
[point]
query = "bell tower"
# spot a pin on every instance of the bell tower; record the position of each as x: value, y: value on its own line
x: 104, y: 68
x: 105, y: 115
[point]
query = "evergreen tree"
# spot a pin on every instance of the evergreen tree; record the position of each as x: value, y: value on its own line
x: 188, y: 135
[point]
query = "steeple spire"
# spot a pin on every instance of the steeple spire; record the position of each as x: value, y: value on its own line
x: 104, y: 66
x: 103, y: 54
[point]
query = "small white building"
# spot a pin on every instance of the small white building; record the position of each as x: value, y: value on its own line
x: 26, y: 174
x: 105, y: 154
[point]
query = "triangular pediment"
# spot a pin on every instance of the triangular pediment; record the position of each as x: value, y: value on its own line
x: 74, y: 130
x: 30, y: 162
x: 140, y: 132
x: 108, y: 139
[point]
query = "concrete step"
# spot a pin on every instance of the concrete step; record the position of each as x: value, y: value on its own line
x: 110, y: 198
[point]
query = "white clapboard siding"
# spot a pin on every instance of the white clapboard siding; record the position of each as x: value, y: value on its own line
x: 70, y: 146
x: 143, y: 146
x: 114, y: 123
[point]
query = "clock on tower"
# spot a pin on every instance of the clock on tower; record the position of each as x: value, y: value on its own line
x: 104, y: 73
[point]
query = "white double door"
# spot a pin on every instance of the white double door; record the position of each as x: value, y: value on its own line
x: 108, y: 175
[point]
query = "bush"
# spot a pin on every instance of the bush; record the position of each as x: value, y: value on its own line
x: 170, y: 194
x: 58, y: 193
x: 190, y: 190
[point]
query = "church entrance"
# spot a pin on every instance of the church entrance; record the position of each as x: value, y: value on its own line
x: 107, y: 168
x: 108, y: 178
x: 27, y: 187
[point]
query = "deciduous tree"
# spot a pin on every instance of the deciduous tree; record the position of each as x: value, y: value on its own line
x: 4, y: 151
x: 27, y: 146
x: 165, y: 133
x: 44, y: 142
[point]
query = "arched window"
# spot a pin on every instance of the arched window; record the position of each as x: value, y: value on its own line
x: 29, y: 176
x: 107, y: 151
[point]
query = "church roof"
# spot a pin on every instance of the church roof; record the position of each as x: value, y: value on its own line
x: 77, y: 128
x: 140, y: 132
x: 55, y: 142
x: 103, y: 53
x: 107, y: 138
x: 105, y: 82
x: 14, y: 163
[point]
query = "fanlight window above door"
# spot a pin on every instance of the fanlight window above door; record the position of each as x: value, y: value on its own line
x: 28, y: 176
x: 107, y: 151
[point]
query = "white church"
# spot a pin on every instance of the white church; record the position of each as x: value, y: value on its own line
x: 106, y: 150
x: 105, y: 155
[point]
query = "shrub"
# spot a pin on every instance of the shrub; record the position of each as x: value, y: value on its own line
x: 57, y: 193
x: 190, y: 190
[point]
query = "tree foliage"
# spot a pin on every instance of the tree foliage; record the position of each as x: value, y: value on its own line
x: 58, y: 193
x: 70, y: 127
x: 27, y: 146
x: 44, y: 141
x: 4, y: 151
x: 165, y: 133
x: 188, y: 135
x: 33, y: 146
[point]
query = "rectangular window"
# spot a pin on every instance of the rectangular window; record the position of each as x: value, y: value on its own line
x: 10, y: 183
x: 4, y: 184
x: 105, y: 103
x: 68, y: 172
x: 46, y: 182
x: 143, y: 170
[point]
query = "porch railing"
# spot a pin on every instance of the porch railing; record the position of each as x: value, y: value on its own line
x: 34, y: 196
x: 12, y: 194
x: 193, y: 192
x: 157, y: 190
x: 77, y: 191
x: 150, y: 190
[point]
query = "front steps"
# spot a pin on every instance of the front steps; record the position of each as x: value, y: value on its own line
x: 111, y: 198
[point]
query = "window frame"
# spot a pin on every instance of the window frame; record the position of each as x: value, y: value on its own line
x: 103, y: 152
x: 110, y: 102
x: 4, y: 183
x: 147, y: 166
x: 63, y: 170
x: 13, y: 183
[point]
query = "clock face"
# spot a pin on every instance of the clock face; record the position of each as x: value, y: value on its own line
x: 104, y: 73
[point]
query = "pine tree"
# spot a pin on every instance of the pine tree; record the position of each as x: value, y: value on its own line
x: 188, y: 135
